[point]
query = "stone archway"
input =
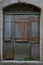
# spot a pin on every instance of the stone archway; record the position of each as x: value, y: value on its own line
x: 29, y: 11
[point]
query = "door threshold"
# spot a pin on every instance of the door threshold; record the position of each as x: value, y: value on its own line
x: 14, y: 61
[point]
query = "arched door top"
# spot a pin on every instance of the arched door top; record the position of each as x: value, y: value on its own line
x: 21, y: 7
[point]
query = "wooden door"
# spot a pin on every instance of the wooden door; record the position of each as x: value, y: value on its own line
x: 21, y: 36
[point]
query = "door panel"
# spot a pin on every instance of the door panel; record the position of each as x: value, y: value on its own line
x: 8, y: 50
x: 21, y: 46
x: 8, y: 47
x: 35, y: 28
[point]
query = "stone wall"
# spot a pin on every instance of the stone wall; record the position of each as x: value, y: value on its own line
x: 41, y: 35
x: 38, y: 3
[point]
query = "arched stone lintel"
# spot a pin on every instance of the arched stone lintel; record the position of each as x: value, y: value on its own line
x: 9, y: 2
